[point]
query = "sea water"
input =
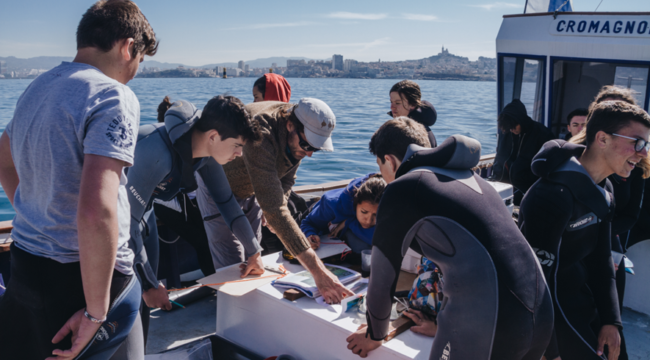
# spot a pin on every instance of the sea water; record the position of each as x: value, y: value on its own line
x: 360, y: 106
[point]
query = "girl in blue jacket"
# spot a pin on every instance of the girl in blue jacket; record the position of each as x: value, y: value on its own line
x: 350, y: 212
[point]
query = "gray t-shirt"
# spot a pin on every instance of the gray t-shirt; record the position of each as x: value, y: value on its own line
x: 65, y: 113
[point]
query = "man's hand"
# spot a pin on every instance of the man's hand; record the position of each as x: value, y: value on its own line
x: 329, y: 285
x: 314, y: 241
x: 268, y: 226
x: 157, y: 298
x: 254, y: 266
x: 609, y: 336
x: 337, y: 230
x: 360, y: 344
x: 422, y: 325
x: 83, y: 331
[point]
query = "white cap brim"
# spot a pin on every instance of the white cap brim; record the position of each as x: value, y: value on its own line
x: 320, y: 142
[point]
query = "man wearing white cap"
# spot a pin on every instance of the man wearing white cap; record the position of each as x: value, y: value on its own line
x: 262, y: 180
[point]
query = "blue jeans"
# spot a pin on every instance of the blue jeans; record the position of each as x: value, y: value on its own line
x: 356, y: 245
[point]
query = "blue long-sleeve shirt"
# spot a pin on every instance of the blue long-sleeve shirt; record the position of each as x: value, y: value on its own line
x: 334, y: 207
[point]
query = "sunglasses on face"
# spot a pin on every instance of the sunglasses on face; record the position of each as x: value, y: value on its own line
x: 304, y: 144
x: 639, y: 145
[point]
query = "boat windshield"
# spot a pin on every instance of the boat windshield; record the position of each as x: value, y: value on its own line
x: 576, y: 83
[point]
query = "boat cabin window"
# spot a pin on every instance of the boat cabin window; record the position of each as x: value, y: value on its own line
x: 576, y: 84
x: 523, y: 78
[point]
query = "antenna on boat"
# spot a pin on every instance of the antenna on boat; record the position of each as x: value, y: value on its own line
x: 601, y: 1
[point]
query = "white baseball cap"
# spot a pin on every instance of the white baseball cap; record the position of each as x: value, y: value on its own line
x: 319, y: 122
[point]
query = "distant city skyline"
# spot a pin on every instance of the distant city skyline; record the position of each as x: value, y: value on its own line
x: 200, y: 32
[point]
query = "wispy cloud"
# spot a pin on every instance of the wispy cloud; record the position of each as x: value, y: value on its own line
x: 419, y: 17
x: 271, y: 26
x: 361, y: 45
x: 356, y: 16
x: 497, y: 5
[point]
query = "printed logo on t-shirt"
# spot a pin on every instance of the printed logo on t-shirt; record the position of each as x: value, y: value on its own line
x: 120, y: 132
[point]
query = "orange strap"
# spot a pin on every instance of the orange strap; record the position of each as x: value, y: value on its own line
x: 279, y: 276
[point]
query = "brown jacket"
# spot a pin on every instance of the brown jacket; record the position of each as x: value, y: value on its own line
x: 265, y: 171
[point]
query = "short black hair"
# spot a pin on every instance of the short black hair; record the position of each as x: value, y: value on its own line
x: 394, y: 137
x: 612, y: 116
x: 505, y: 122
x: 227, y: 115
x: 260, y: 84
x: 577, y: 112
x: 109, y: 21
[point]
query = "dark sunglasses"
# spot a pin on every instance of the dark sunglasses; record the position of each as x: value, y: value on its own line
x: 304, y: 144
x: 639, y: 145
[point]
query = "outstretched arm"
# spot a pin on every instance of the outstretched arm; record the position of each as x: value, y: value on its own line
x: 217, y: 184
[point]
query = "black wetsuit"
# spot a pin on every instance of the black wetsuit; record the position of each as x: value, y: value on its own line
x: 628, y: 195
x: 497, y: 304
x: 565, y: 217
x: 515, y: 152
x: 427, y: 116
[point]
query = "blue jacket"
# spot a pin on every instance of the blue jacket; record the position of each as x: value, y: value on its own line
x: 337, y: 206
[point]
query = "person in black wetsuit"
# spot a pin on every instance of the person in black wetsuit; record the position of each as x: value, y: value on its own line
x: 628, y: 194
x: 405, y: 100
x: 566, y: 218
x: 496, y: 303
x: 520, y: 138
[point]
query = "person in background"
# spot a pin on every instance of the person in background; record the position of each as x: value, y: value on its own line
x: 62, y: 160
x: 262, y: 180
x: 522, y: 139
x: 497, y: 302
x: 271, y: 87
x: 628, y: 195
x: 576, y: 122
x: 351, y: 211
x: 406, y: 100
x: 566, y: 218
x: 167, y: 157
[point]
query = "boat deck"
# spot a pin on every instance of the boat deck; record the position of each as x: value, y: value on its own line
x: 177, y: 327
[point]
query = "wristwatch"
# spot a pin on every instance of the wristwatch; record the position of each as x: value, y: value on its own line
x: 91, y: 318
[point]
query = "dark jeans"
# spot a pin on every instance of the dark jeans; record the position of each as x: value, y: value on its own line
x: 43, y: 294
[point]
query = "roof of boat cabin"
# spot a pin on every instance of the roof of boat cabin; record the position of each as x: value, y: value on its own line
x: 576, y: 13
x: 593, y: 36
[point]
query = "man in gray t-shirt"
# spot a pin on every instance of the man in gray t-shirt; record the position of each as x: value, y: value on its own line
x: 62, y: 160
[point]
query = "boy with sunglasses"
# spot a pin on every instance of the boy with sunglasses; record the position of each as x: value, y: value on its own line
x: 262, y: 178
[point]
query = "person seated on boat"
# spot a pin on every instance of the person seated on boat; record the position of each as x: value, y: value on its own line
x: 406, y: 100
x: 520, y: 140
x: 495, y: 296
x: 566, y: 218
x: 262, y: 180
x: 271, y: 87
x: 167, y: 156
x: 351, y: 212
x: 576, y: 122
x: 62, y: 157
x: 628, y: 195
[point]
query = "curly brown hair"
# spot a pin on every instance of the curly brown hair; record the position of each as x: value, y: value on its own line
x: 109, y: 21
x: 409, y: 91
x: 611, y: 93
x: 371, y: 190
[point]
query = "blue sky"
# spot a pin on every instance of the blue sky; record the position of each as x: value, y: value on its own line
x: 198, y: 32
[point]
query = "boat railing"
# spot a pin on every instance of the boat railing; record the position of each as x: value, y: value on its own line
x: 483, y: 169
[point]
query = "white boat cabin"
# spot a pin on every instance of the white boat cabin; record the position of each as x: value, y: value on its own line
x: 556, y: 63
